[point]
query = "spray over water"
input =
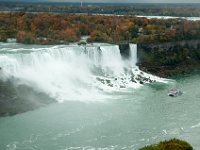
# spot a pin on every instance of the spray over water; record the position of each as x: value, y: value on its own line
x: 73, y: 72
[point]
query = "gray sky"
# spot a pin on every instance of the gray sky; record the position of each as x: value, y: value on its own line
x: 117, y: 1
x: 133, y: 1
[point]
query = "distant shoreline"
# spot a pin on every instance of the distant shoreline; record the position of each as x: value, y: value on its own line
x: 94, y: 3
x: 133, y: 9
x: 98, y: 14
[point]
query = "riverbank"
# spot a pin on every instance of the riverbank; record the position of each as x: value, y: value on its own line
x: 169, y: 58
x: 166, y: 47
x: 54, y: 28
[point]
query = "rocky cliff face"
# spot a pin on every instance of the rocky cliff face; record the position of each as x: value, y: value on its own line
x: 168, y: 59
x: 15, y: 99
x: 124, y: 50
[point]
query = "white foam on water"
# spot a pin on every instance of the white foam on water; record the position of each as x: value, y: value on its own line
x: 83, y: 73
x: 196, y: 126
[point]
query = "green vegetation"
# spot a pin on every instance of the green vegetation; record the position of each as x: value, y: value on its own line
x: 173, y: 144
x: 45, y: 28
x: 169, y: 59
x: 160, y: 47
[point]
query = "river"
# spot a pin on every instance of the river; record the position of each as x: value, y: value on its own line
x: 100, y: 102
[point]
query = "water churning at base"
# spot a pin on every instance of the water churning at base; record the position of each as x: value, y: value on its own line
x: 72, y: 72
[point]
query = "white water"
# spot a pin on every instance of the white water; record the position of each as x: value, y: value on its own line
x: 73, y: 72
x: 171, y: 17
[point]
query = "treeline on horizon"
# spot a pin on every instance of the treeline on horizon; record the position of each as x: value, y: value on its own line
x: 179, y: 10
x: 48, y: 28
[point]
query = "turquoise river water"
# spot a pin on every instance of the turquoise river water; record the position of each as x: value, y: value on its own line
x: 123, y: 118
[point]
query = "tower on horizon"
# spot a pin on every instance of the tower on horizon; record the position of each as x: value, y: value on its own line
x: 81, y: 3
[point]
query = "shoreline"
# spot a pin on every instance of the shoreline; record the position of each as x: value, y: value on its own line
x: 154, y: 66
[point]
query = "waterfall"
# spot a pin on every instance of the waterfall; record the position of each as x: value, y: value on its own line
x: 133, y: 52
x: 72, y: 72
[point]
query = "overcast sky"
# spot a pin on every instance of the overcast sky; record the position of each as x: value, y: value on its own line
x: 116, y: 1
x: 134, y: 1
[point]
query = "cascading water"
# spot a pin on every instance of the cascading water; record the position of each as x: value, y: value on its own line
x: 124, y: 116
x: 73, y: 72
x: 133, y: 52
